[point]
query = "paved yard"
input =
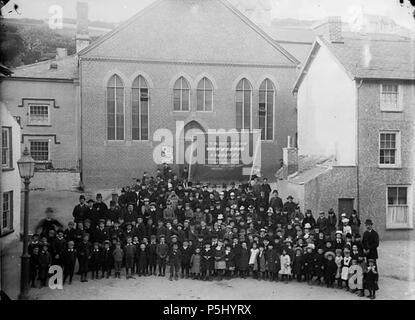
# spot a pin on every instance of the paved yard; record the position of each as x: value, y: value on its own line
x: 396, y: 264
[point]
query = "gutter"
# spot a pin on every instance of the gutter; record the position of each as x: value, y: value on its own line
x: 357, y: 148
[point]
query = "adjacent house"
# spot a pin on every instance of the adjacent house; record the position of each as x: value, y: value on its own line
x: 355, y: 97
x: 10, y: 182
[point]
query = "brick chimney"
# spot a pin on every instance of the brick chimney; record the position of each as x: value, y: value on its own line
x: 331, y: 29
x: 82, y: 34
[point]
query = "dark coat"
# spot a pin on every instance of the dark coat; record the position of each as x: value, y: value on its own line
x: 186, y: 255
x: 370, y: 241
x: 330, y: 269
x: 107, y: 258
x: 298, y: 262
x: 244, y: 255
x: 273, y: 260
x: 175, y: 258
x: 142, y: 258
x: 95, y: 260
x: 207, y: 262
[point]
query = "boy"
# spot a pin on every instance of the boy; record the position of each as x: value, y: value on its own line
x: 308, y: 263
x: 319, y: 265
x: 206, y: 262
x: 107, y: 259
x: 162, y: 251
x: 186, y: 252
x: 174, y: 262
x: 372, y: 278
x: 152, y: 255
x: 69, y: 260
x: 44, y: 262
x: 330, y: 269
x: 34, y: 265
x: 95, y: 261
x: 118, y: 256
x: 84, y: 252
x: 141, y: 259
x: 129, y: 253
x: 58, y: 245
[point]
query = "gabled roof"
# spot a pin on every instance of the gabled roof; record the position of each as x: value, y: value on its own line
x: 368, y: 57
x: 219, y: 5
x: 67, y: 69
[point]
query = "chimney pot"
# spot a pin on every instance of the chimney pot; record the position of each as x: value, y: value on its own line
x: 335, y: 29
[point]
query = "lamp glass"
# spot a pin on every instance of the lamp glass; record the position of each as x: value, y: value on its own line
x: 26, y: 165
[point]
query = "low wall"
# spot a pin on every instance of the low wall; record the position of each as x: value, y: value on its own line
x: 55, y: 180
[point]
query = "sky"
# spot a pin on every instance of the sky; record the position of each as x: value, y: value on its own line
x: 120, y: 10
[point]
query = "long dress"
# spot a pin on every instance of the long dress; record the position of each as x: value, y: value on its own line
x: 195, y: 263
x: 285, y: 264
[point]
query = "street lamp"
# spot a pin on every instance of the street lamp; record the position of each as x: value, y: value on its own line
x: 26, y: 166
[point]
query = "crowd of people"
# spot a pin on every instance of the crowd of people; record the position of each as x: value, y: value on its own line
x: 206, y: 232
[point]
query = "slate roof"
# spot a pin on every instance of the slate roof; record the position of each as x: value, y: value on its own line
x: 376, y: 57
x: 67, y: 69
x: 310, y: 167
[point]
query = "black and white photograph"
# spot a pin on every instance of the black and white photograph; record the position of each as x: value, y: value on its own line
x: 207, y: 150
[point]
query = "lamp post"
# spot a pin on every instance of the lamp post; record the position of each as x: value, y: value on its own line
x: 26, y: 166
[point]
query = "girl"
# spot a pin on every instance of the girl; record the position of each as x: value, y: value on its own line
x: 285, y: 271
x: 262, y: 262
x: 347, y: 262
x: 230, y: 261
x: 372, y: 278
x: 253, y: 262
x: 298, y: 264
x: 309, y: 219
x: 330, y: 269
x: 195, y: 264
x: 220, y: 263
x: 339, y: 261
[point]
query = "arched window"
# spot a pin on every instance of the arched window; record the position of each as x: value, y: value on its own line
x: 266, y: 110
x: 243, y: 104
x: 115, y: 108
x: 204, y: 95
x: 140, y: 109
x: 181, y: 95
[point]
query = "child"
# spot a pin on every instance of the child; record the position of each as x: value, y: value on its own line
x: 129, y: 253
x: 262, y: 262
x: 253, y: 260
x: 319, y: 265
x: 152, y: 255
x: 84, y: 252
x: 206, y: 262
x: 285, y: 271
x: 273, y: 262
x: 220, y: 263
x: 107, y: 259
x: 141, y: 260
x: 330, y: 269
x: 69, y: 260
x: 186, y: 256
x: 372, y: 278
x: 347, y: 262
x: 308, y: 263
x: 95, y: 261
x: 195, y: 264
x: 298, y: 264
x: 339, y: 261
x: 230, y: 261
x: 161, y: 251
x: 356, y: 278
x: 118, y: 255
x: 45, y: 260
x: 34, y: 265
x: 174, y: 262
x: 244, y: 256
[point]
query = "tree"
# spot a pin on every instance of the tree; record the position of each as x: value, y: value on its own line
x: 11, y: 45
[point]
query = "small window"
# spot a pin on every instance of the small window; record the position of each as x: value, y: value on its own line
x: 398, y: 213
x: 389, y: 149
x: 390, y: 97
x: 140, y: 109
x: 39, y: 114
x: 39, y: 150
x: 181, y: 95
x: 204, y: 95
x: 6, y: 152
x: 7, y: 216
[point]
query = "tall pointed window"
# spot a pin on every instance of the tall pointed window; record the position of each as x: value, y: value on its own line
x: 243, y: 104
x: 181, y: 95
x: 140, y: 109
x: 266, y: 110
x: 115, y: 108
x: 204, y: 95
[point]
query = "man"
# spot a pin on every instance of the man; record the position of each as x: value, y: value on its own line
x: 289, y: 206
x: 370, y: 241
x: 100, y: 208
x: 79, y: 210
x: 266, y: 187
x: 48, y: 223
x: 276, y: 202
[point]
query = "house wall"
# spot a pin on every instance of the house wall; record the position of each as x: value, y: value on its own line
x: 63, y: 118
x: 327, y: 111
x: 10, y: 178
x: 373, y: 180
